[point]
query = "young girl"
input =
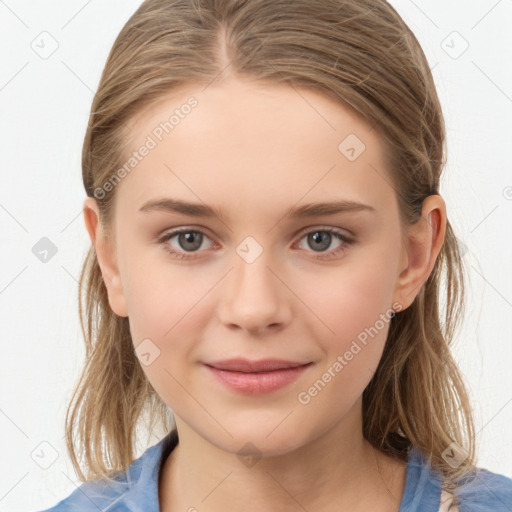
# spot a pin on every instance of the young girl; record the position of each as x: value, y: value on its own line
x: 269, y: 250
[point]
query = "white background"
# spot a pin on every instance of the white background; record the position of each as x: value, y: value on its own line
x: 44, y: 107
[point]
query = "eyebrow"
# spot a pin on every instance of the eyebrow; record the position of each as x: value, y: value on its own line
x: 202, y: 210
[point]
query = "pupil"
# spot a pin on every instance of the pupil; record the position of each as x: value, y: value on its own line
x: 321, y: 240
x: 190, y: 241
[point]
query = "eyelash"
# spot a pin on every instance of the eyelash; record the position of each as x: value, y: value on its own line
x: 347, y: 241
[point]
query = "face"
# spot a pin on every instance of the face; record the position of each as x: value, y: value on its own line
x: 262, y: 277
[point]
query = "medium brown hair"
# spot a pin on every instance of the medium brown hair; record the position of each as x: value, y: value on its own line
x: 362, y: 54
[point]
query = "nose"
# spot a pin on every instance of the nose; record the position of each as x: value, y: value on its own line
x: 253, y: 298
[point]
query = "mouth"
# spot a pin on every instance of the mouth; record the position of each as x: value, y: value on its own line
x: 247, y: 366
x: 256, y: 377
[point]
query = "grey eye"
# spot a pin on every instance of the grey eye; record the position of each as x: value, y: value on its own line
x: 190, y: 240
x: 319, y: 240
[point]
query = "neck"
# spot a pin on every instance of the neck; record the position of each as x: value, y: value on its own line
x: 337, y: 470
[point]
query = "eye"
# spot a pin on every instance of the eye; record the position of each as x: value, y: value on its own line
x: 322, y: 238
x: 188, y: 241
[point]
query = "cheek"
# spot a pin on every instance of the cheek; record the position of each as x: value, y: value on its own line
x: 168, y: 305
x: 351, y: 298
x: 359, y: 313
x: 160, y: 293
x: 354, y: 306
x: 164, y: 315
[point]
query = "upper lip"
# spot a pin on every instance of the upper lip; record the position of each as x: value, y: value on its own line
x: 248, y: 366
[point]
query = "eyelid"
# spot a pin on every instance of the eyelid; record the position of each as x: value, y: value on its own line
x: 319, y: 227
x: 346, y: 242
x: 346, y: 239
x: 304, y: 231
x: 171, y: 233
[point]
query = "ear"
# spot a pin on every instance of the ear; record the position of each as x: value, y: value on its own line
x: 106, y: 254
x: 422, y: 243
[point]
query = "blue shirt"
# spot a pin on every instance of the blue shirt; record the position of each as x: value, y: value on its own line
x: 136, y: 489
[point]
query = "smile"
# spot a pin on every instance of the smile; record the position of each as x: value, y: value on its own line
x: 256, y: 377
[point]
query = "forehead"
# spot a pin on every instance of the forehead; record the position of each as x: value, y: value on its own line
x: 249, y: 144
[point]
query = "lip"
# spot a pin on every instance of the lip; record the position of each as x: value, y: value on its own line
x: 246, y: 365
x: 256, y: 377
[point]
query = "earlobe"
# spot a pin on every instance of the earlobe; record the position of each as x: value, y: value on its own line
x: 106, y: 255
x: 423, y: 244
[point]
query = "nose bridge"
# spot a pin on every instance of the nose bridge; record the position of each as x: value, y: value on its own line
x: 251, y: 273
x: 255, y: 298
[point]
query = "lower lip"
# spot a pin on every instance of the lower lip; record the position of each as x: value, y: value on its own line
x: 258, y: 383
